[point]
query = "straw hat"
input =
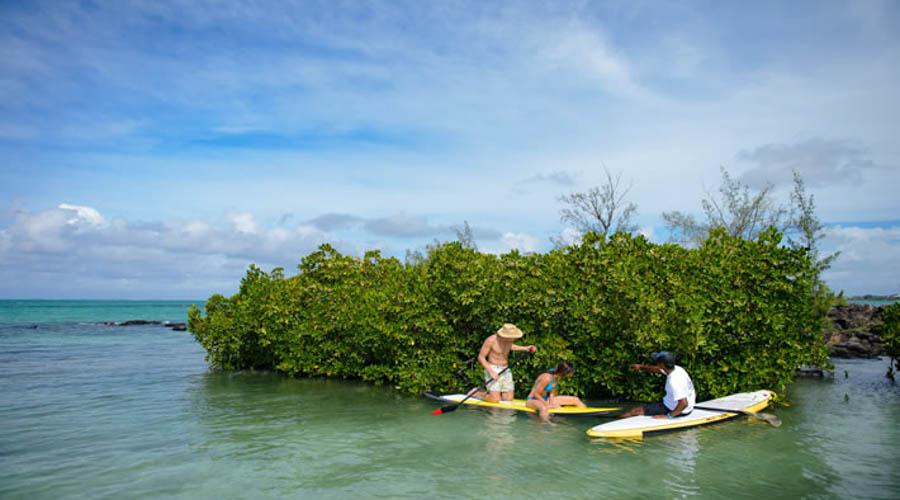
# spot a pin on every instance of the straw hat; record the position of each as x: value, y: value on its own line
x: 510, y: 331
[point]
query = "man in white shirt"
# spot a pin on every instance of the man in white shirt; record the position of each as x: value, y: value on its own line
x: 680, y: 396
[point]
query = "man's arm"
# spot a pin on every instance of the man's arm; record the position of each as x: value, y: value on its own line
x: 482, y: 356
x: 647, y: 368
x: 529, y: 348
x: 682, y: 404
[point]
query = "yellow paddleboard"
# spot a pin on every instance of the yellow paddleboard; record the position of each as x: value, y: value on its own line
x: 519, y: 405
x: 637, y: 427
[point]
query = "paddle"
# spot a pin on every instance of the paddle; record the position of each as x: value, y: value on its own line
x: 765, y: 417
x: 449, y: 408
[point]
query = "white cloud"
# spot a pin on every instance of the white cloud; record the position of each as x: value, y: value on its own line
x: 647, y: 232
x: 242, y: 222
x: 522, y: 242
x: 83, y: 215
x: 868, y: 259
x: 570, y: 236
x: 498, y: 94
x: 73, y: 250
x: 585, y: 50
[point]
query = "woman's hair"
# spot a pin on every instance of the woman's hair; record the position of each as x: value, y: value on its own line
x: 564, y: 368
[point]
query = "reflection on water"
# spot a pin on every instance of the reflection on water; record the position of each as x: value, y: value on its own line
x: 684, y: 447
x: 498, y: 432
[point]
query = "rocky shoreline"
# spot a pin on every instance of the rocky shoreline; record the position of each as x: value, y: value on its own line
x: 855, y: 331
x: 178, y: 327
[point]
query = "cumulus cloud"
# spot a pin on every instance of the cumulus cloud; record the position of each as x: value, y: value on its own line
x: 570, y: 236
x: 83, y: 215
x: 868, y: 259
x: 820, y: 162
x: 74, y: 248
x: 242, y: 222
x: 509, y: 241
x: 74, y: 251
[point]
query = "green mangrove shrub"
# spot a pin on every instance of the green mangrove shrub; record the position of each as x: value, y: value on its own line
x: 740, y: 314
x: 890, y: 336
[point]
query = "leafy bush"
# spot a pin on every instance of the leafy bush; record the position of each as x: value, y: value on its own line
x: 890, y: 335
x: 739, y: 314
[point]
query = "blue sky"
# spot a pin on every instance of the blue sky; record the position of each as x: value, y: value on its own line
x: 155, y: 149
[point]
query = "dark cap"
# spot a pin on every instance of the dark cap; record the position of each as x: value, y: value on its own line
x: 664, y: 357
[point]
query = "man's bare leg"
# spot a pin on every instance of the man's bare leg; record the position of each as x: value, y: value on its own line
x: 492, y: 397
x: 634, y: 412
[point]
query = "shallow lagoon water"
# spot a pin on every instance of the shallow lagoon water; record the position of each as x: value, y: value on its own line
x: 125, y: 412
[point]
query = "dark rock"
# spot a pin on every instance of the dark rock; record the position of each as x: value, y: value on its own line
x: 839, y: 351
x: 855, y: 331
x: 178, y: 327
x: 867, y: 336
x: 134, y: 322
x: 810, y: 371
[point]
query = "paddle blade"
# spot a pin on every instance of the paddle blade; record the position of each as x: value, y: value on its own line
x: 769, y: 419
x: 444, y: 409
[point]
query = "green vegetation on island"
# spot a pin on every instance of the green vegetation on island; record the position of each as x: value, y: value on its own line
x: 740, y: 313
x: 738, y: 296
x: 890, y: 336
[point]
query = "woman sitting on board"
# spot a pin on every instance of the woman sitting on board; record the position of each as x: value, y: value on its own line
x: 543, y: 395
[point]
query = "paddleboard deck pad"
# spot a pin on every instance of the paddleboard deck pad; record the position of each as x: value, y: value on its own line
x: 519, y: 405
x: 637, y: 427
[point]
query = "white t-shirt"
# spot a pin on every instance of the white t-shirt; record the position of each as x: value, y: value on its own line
x: 679, y: 386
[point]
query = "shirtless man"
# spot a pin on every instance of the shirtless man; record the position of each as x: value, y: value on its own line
x: 493, y: 357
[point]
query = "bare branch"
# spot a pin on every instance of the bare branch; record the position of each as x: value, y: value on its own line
x: 602, y: 209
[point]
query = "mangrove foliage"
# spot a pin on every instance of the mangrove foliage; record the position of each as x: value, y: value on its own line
x: 740, y: 314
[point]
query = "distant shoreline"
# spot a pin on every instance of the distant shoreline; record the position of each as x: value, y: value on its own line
x: 881, y: 298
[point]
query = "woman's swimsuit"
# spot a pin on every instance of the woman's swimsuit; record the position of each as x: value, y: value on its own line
x: 547, y: 389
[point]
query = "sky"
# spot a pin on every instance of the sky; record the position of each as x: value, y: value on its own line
x: 153, y: 150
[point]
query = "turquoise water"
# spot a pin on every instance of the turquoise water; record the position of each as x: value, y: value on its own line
x: 130, y: 412
x: 871, y: 302
x: 55, y: 311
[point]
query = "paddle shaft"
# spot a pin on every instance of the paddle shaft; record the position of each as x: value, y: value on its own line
x: 471, y: 393
x: 765, y: 417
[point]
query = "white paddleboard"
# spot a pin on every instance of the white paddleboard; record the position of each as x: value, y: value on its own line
x: 636, y: 427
